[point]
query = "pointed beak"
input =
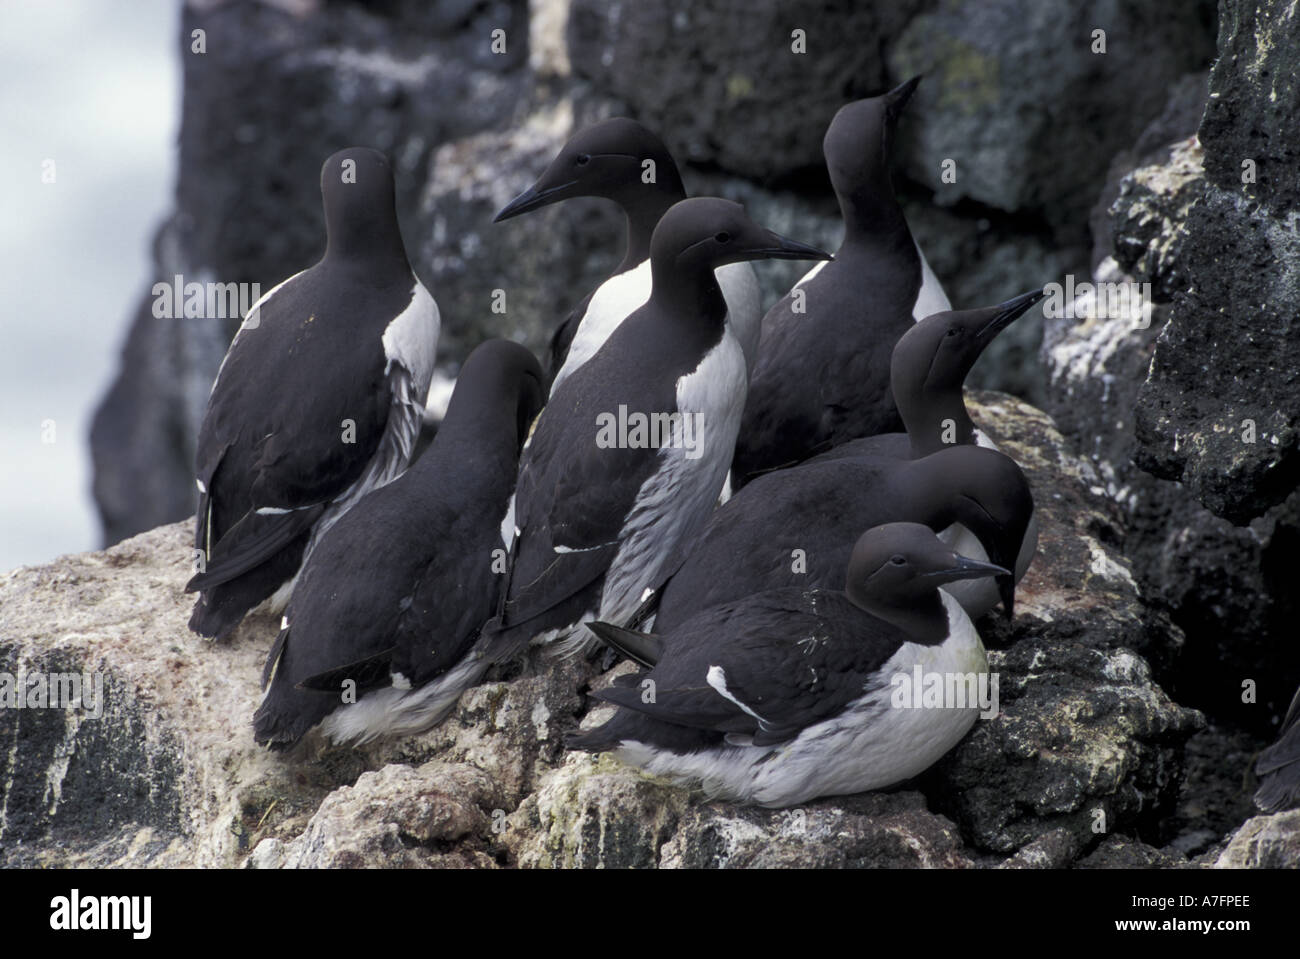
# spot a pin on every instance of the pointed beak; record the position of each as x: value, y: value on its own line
x: 783, y: 248
x: 966, y: 568
x: 531, y: 199
x: 1008, y: 313
x: 899, y: 96
x: 896, y: 99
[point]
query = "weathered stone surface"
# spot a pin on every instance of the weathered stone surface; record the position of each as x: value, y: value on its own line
x: 874, y: 830
x: 723, y: 82
x: 1227, y: 361
x: 434, y: 816
x: 1153, y: 147
x: 1016, y: 96
x: 1147, y: 218
x: 1221, y: 584
x: 1265, y: 842
x: 170, y: 774
x: 1082, y: 727
x: 595, y: 813
x: 1119, y: 852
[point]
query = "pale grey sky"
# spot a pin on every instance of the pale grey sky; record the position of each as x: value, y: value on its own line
x: 93, y: 85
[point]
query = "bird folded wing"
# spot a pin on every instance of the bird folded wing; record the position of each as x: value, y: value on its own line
x: 253, y: 540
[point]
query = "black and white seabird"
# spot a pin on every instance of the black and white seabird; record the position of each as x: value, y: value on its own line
x: 319, y: 399
x: 928, y: 368
x: 628, y: 457
x: 822, y: 375
x: 609, y: 159
x: 929, y: 365
x: 393, y: 596
x: 1278, y: 766
x: 797, y: 527
x: 788, y: 695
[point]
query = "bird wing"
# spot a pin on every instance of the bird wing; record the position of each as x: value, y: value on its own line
x: 571, y: 500
x: 768, y: 666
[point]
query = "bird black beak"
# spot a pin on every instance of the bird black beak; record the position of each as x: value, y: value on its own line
x: 1008, y: 313
x: 966, y: 568
x: 783, y: 248
x: 531, y: 199
x: 899, y: 96
x: 896, y: 99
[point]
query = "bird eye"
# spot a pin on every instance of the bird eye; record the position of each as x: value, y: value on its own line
x: 723, y: 237
x: 897, y: 560
x: 953, y: 331
x: 583, y: 159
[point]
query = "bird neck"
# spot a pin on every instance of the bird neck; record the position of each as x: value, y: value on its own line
x: 934, y: 419
x: 872, y: 217
x: 643, y: 211
x: 689, y: 294
x: 377, y: 242
x: 480, y: 428
x: 922, y: 619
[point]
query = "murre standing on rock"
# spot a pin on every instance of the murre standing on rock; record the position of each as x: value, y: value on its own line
x: 620, y: 160
x: 392, y: 598
x: 822, y: 375
x: 628, y: 457
x: 792, y: 694
x: 796, y: 527
x: 319, y: 399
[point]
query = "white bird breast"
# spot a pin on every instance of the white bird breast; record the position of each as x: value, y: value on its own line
x: 620, y: 296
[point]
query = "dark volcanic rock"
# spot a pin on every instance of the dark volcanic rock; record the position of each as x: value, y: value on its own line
x: 1221, y: 584
x: 1015, y: 95
x: 1220, y: 408
x: 722, y: 82
x: 1153, y: 147
x: 874, y: 831
x: 1119, y: 852
x: 1085, y: 741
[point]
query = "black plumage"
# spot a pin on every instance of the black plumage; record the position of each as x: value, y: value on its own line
x: 737, y: 681
x: 400, y: 586
x: 796, y: 527
x: 822, y: 375
x: 576, y: 499
x: 1278, y: 766
x: 310, y: 402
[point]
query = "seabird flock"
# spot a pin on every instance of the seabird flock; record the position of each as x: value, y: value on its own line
x: 787, y: 519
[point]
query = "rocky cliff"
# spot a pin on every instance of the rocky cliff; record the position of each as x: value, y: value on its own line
x: 1088, y: 762
x: 1151, y: 656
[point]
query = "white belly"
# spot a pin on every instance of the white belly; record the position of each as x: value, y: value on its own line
x: 677, y: 499
x: 931, y: 299
x: 620, y: 296
x: 870, y: 745
x: 402, y: 712
x: 739, y: 284
x: 614, y: 301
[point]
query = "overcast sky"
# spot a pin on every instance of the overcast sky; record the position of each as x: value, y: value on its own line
x: 93, y: 85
